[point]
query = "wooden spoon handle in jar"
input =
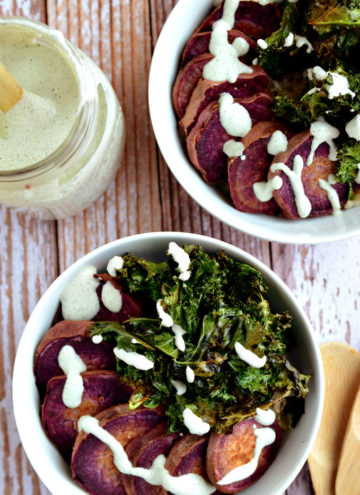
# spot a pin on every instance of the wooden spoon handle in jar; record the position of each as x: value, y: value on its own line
x: 342, y: 374
x: 10, y: 91
x: 348, y: 479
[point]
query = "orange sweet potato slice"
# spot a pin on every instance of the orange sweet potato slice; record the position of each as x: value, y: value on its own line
x: 226, y: 452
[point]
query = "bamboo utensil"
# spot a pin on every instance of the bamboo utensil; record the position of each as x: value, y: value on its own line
x: 348, y: 479
x: 342, y: 377
x: 10, y: 91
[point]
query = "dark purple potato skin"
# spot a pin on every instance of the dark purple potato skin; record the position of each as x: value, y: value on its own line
x: 243, y: 174
x: 320, y: 168
x: 251, y: 18
x: 226, y: 452
x: 199, y: 44
x: 102, y: 389
x: 74, y: 333
x: 206, y: 140
x: 207, y: 91
x: 131, y: 306
x: 92, y: 461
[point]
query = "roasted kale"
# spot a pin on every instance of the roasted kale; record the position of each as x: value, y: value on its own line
x: 332, y: 28
x: 222, y: 303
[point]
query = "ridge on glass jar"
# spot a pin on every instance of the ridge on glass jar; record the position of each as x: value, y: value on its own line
x: 79, y: 170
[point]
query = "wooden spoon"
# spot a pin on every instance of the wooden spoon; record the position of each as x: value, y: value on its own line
x: 342, y: 377
x: 10, y: 91
x: 348, y: 479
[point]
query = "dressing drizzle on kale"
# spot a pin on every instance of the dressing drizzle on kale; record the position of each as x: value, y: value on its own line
x: 222, y: 303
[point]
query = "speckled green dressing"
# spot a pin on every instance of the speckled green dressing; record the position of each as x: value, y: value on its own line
x: 41, y: 121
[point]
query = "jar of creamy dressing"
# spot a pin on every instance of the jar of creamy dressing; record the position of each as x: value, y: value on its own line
x: 62, y: 143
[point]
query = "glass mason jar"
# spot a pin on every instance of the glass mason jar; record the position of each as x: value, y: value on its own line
x: 81, y: 168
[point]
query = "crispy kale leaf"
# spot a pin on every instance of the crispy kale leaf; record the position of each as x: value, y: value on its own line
x: 349, y: 161
x: 222, y: 303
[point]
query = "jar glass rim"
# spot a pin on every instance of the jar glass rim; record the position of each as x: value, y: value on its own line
x: 87, y: 99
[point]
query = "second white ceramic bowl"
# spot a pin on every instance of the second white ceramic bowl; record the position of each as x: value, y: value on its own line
x: 183, y: 20
x: 48, y: 463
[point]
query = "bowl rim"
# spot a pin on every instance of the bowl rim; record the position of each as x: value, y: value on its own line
x: 50, y: 473
x: 310, y: 230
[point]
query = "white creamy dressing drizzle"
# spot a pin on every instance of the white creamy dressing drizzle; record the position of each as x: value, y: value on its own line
x: 194, y: 424
x: 339, y: 86
x: 249, y: 357
x: 323, y: 133
x: 179, y: 386
x: 289, y: 40
x: 156, y: 475
x: 312, y: 91
x: 262, y: 44
x: 264, y: 437
x: 165, y: 318
x: 179, y: 341
x: 190, y: 375
x: 264, y: 418
x: 302, y: 202
x: 278, y: 143
x: 72, y: 365
x: 234, y: 117
x: 182, y: 259
x: 264, y: 190
x: 111, y: 297
x: 226, y: 64
x: 233, y: 148
x: 134, y: 359
x: 352, y: 128
x: 331, y: 193
x: 116, y: 263
x: 301, y: 41
x: 97, y: 339
x: 79, y: 301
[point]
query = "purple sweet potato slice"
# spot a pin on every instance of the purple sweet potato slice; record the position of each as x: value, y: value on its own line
x: 188, y: 455
x: 186, y: 81
x: 131, y: 305
x: 199, y: 44
x: 207, y: 91
x: 242, y: 174
x: 143, y: 453
x: 206, y: 140
x: 92, y: 461
x: 74, y: 333
x: 320, y: 168
x: 133, y: 449
x: 253, y: 19
x: 102, y: 389
x: 226, y: 452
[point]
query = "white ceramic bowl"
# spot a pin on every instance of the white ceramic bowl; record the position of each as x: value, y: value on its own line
x: 177, y: 30
x: 49, y: 464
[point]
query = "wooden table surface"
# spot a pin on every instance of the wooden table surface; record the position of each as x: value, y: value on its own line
x: 120, y: 36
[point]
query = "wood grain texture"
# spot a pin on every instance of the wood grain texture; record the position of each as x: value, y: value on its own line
x: 120, y: 36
